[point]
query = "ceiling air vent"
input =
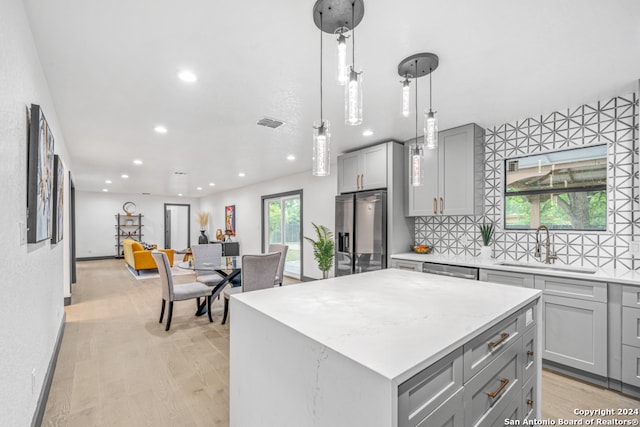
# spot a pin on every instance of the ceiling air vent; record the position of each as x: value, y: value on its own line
x: 179, y: 173
x: 270, y: 123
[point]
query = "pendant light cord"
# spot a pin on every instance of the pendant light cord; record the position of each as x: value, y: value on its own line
x: 416, y: 79
x: 321, y: 119
x: 430, y: 74
x: 353, y: 36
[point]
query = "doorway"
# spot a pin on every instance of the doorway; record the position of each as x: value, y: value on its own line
x: 282, y: 224
x: 177, y: 226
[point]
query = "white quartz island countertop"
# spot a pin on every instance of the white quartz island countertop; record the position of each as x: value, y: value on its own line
x: 394, y: 323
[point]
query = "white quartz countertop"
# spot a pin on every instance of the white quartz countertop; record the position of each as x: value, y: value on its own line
x: 391, y: 321
x: 624, y: 276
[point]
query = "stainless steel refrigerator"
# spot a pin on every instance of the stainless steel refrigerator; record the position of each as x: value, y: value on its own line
x: 361, y: 232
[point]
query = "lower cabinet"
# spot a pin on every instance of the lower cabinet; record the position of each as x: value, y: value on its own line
x: 507, y: 278
x: 631, y: 338
x: 470, y: 387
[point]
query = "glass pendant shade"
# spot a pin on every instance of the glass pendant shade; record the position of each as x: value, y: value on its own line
x: 353, y: 98
x: 415, y: 160
x: 343, y: 70
x: 406, y: 98
x: 430, y: 130
x: 321, y: 149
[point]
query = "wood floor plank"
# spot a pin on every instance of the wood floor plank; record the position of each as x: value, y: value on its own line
x: 118, y: 367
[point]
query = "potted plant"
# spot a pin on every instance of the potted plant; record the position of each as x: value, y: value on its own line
x: 203, y: 221
x: 486, y: 230
x: 323, y: 249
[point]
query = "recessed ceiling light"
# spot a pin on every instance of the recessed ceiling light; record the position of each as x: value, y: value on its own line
x: 241, y: 174
x: 137, y: 162
x: 187, y: 76
x: 105, y: 190
x: 179, y: 194
x: 160, y: 129
x: 108, y: 181
x: 291, y: 157
x: 124, y: 175
x: 211, y: 184
x: 367, y: 132
x: 199, y: 188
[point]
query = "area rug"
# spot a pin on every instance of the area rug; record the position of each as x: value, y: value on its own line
x: 153, y: 274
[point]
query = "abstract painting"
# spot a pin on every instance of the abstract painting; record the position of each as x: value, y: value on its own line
x: 58, y: 200
x: 40, y: 177
x: 230, y: 219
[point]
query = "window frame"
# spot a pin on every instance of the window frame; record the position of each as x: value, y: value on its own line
x: 601, y: 187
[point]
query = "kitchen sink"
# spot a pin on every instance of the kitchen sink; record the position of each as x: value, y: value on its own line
x: 549, y: 267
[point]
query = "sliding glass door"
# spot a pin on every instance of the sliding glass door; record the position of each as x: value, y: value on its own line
x: 282, y: 219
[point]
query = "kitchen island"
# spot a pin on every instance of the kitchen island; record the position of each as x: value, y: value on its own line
x: 385, y: 348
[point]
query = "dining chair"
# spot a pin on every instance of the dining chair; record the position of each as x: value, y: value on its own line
x: 283, y: 256
x: 209, y: 253
x: 257, y: 273
x: 171, y: 292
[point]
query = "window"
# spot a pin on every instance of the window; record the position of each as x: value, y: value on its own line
x: 562, y: 190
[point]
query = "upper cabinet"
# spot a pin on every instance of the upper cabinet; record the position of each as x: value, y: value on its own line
x: 364, y: 169
x: 453, y: 175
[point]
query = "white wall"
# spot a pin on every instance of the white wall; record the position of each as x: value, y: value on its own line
x: 318, y: 201
x: 95, y: 220
x: 33, y: 276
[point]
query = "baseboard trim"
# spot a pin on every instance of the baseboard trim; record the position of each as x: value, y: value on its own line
x: 95, y: 258
x: 307, y: 279
x: 576, y: 373
x: 67, y: 301
x: 48, y: 379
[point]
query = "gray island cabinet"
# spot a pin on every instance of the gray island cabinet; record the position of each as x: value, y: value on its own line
x: 385, y: 348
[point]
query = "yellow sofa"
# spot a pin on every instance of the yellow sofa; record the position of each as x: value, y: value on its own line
x: 139, y: 258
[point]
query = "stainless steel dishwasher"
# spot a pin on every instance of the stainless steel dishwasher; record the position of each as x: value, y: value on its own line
x: 450, y: 270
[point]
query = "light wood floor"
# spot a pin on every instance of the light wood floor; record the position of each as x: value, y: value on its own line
x: 118, y: 367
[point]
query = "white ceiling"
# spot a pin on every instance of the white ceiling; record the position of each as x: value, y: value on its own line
x: 112, y: 66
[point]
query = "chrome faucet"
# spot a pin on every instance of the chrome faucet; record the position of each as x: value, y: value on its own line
x: 549, y: 257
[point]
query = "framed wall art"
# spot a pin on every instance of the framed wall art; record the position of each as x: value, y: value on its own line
x: 58, y: 200
x: 230, y: 220
x: 40, y: 177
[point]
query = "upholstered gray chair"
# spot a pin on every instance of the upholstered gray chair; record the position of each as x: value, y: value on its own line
x: 257, y: 272
x: 202, y: 254
x: 283, y: 256
x: 171, y: 292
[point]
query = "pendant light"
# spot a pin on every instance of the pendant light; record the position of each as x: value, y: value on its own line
x: 342, y: 56
x: 353, y: 89
x: 415, y: 66
x: 406, y: 109
x: 321, y: 134
x: 339, y: 17
x: 430, y: 123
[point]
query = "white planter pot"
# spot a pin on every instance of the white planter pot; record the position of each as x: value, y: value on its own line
x: 486, y: 252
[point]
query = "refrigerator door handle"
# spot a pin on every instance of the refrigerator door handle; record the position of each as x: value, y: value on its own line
x: 346, y: 242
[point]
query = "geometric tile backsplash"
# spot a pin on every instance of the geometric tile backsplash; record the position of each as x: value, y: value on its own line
x: 611, y: 122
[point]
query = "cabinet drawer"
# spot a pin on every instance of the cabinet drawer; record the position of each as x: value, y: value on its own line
x: 424, y: 392
x: 631, y: 326
x: 483, y: 349
x: 500, y: 379
x: 529, y: 404
x: 582, y: 289
x: 403, y: 264
x: 631, y: 296
x: 631, y: 365
x: 449, y: 414
x: 507, y: 278
x: 528, y: 353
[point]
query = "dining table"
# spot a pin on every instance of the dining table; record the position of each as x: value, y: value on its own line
x: 228, y: 267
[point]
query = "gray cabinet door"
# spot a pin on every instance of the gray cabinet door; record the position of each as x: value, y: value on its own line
x: 631, y: 296
x: 631, y: 326
x: 507, y: 278
x: 373, y: 167
x: 456, y: 159
x: 348, y: 173
x: 631, y: 365
x: 423, y: 200
x: 575, y: 333
x: 449, y: 414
